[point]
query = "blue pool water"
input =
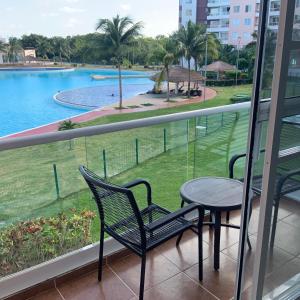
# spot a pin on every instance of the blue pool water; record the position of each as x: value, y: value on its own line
x: 26, y: 97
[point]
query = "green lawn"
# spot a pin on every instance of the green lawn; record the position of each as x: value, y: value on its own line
x: 27, y: 180
x: 222, y: 98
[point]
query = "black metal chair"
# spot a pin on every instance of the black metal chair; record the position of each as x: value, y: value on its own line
x: 138, y: 230
x: 287, y: 181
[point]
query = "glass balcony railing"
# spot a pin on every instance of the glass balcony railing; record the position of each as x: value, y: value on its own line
x: 218, y: 26
x: 218, y: 2
x: 46, y: 209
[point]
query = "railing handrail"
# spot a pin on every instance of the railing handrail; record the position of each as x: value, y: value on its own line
x: 45, y: 138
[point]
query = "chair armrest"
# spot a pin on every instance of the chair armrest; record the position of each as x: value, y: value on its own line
x: 283, y: 179
x: 234, y: 159
x: 139, y: 182
x: 232, y: 162
x: 171, y: 217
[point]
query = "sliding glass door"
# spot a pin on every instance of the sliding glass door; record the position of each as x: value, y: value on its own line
x: 271, y: 270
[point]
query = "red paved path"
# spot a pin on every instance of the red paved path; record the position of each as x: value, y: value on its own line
x: 210, y: 93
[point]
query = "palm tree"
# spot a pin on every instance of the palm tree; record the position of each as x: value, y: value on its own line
x: 190, y: 40
x: 67, y: 125
x: 168, y: 60
x: 164, y: 74
x: 208, y: 45
x: 13, y: 48
x: 120, y: 34
x: 2, y: 47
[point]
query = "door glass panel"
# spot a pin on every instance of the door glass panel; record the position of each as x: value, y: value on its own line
x: 293, y: 83
x: 282, y: 267
x: 296, y: 27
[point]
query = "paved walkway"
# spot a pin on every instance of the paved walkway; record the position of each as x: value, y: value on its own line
x: 157, y: 102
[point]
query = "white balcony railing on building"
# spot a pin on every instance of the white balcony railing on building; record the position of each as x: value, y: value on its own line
x: 217, y: 2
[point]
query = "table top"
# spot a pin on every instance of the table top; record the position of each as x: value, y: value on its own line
x: 214, y: 193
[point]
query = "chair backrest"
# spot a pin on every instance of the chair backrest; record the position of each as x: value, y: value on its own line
x: 117, y: 207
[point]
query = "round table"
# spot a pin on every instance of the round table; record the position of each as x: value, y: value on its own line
x: 216, y: 194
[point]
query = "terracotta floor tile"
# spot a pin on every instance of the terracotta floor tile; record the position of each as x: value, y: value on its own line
x: 88, y: 288
x: 287, y: 238
x: 52, y: 294
x: 235, y: 219
x: 220, y: 283
x: 158, y: 269
x: 293, y: 220
x: 229, y: 236
x: 179, y: 287
x: 186, y: 255
x: 277, y: 258
x: 276, y: 278
x: 289, y: 206
x: 281, y: 275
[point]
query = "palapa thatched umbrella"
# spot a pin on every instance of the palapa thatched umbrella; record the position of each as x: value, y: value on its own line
x: 176, y: 75
x: 218, y: 67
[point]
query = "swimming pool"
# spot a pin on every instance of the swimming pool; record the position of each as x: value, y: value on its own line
x: 26, y: 97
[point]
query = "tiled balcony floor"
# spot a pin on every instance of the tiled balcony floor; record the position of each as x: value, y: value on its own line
x: 171, y: 273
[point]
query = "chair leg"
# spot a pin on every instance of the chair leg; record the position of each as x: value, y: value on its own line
x: 100, y: 263
x: 211, y: 220
x: 181, y: 234
x: 274, y: 224
x: 142, y: 282
x: 228, y: 216
x: 248, y: 239
x: 200, y: 244
x: 217, y: 236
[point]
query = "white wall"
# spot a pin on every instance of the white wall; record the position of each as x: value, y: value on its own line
x: 187, y: 7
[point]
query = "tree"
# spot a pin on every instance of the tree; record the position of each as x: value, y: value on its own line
x: 189, y: 40
x: 168, y: 60
x: 2, y: 46
x: 13, y: 49
x: 120, y: 32
x: 205, y: 40
x: 228, y: 53
x: 67, y: 125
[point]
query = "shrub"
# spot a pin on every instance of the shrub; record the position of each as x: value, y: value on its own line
x: 29, y: 243
x: 231, y: 82
x: 232, y: 74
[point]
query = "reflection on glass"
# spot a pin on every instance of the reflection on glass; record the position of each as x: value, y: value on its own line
x: 268, y: 64
x: 296, y: 26
x: 293, y: 83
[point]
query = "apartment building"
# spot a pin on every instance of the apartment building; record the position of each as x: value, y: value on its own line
x: 232, y: 21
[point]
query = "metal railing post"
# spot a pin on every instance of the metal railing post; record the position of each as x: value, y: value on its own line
x: 104, y: 164
x: 137, y: 151
x: 56, y: 181
x: 165, y: 140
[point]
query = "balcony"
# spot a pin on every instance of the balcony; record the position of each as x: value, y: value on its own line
x: 41, y: 183
x: 221, y: 15
x: 178, y: 277
x: 214, y: 3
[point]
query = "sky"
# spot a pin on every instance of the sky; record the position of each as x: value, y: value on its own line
x: 71, y: 17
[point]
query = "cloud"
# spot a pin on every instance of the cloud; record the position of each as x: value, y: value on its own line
x: 72, y: 1
x: 9, y: 8
x: 71, y: 10
x: 72, y: 22
x: 52, y: 14
x: 126, y: 6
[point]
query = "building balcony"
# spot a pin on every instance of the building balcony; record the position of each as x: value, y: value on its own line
x: 219, y: 28
x: 216, y: 3
x: 46, y: 202
x: 217, y: 16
